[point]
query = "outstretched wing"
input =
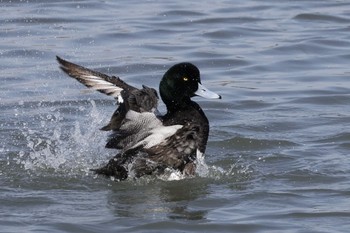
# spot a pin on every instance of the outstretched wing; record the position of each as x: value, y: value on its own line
x: 109, y: 85
x: 134, y: 123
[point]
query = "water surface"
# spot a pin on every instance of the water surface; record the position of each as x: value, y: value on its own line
x: 277, y: 157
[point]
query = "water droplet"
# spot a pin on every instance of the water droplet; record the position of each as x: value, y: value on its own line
x: 21, y: 154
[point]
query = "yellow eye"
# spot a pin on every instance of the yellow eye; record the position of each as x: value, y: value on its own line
x: 185, y: 78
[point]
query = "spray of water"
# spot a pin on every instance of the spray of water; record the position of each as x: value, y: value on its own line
x: 59, y: 148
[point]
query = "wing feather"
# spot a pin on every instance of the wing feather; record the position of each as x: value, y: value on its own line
x: 144, y: 130
x: 109, y: 85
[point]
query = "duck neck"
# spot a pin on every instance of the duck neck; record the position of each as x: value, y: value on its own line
x: 174, y: 105
x: 174, y: 100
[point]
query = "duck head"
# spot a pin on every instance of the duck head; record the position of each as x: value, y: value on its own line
x: 180, y: 83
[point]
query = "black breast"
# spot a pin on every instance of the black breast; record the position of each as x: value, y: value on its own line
x: 192, y: 117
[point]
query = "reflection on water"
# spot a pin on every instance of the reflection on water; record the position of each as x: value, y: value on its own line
x: 159, y: 199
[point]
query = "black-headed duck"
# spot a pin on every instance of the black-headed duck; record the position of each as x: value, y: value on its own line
x: 149, y: 143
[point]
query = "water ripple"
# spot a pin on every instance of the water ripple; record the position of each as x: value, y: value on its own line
x: 279, y: 139
x: 321, y: 17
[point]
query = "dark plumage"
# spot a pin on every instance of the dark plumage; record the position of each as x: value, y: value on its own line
x: 149, y: 143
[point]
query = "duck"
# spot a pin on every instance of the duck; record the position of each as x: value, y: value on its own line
x: 147, y: 141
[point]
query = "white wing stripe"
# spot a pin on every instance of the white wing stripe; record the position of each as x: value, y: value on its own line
x: 99, y: 84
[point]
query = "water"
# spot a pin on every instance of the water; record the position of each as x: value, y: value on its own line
x: 277, y: 157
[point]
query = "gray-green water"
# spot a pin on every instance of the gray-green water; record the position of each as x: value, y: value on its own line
x: 279, y: 145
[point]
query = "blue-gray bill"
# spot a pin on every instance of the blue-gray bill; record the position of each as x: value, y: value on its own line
x: 206, y: 93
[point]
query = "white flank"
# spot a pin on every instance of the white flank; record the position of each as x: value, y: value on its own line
x: 148, y: 123
x: 159, y: 135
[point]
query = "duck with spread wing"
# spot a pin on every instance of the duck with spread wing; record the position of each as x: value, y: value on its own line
x: 149, y: 143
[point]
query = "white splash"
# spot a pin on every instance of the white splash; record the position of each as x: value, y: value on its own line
x: 171, y: 175
x: 202, y: 168
x: 59, y: 146
x: 73, y: 150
